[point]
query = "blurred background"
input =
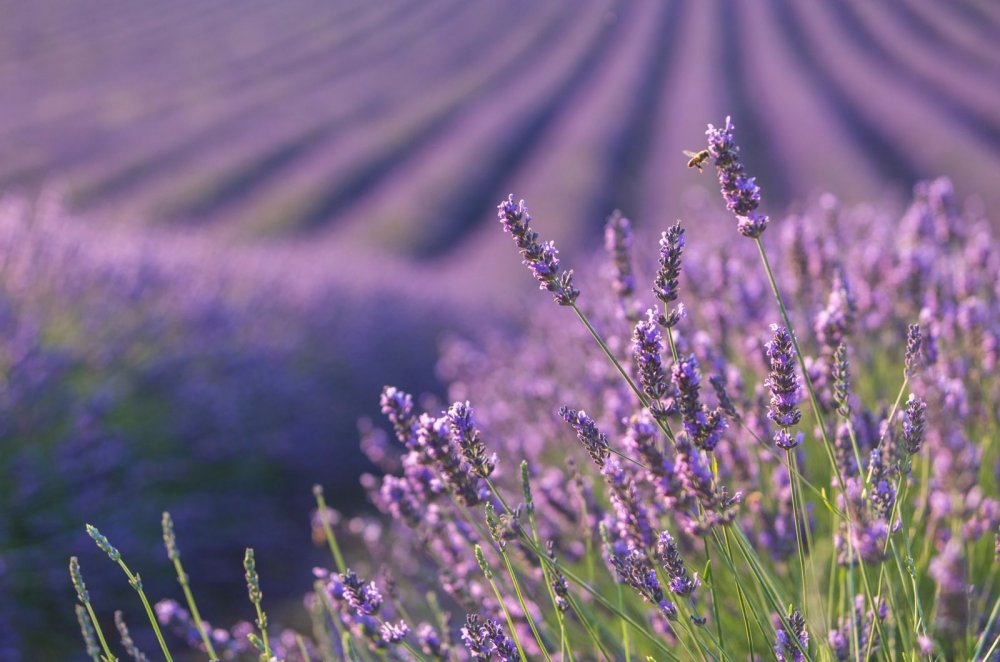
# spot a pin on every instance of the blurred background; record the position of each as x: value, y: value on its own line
x: 225, y: 225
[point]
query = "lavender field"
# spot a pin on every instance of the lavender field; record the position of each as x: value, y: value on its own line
x: 225, y: 227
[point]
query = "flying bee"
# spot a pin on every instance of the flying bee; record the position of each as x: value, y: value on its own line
x: 697, y: 159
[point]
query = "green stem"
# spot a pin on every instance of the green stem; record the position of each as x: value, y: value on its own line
x: 182, y: 578
x: 710, y: 576
x: 798, y: 524
x: 663, y: 425
x: 524, y: 607
x: 331, y: 540
x: 506, y: 614
x: 97, y: 629
x: 302, y: 648
x: 621, y: 605
x: 982, y: 639
x: 137, y: 585
x: 743, y: 599
x: 813, y: 401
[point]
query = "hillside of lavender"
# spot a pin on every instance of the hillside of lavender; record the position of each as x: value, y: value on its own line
x: 225, y: 227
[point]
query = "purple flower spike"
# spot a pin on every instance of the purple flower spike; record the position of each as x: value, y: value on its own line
x: 741, y: 193
x: 595, y: 441
x: 394, y: 632
x: 914, y: 423
x: 465, y: 435
x: 365, y: 599
x: 634, y: 569
x: 647, y: 348
x: 914, y: 340
x: 618, y: 241
x: 784, y: 386
x: 665, y: 284
x: 788, y: 645
x: 703, y: 426
x: 541, y: 259
x: 681, y: 583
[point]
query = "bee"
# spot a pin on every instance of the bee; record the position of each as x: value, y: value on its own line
x: 697, y: 159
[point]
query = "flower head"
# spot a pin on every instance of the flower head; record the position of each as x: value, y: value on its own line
x: 542, y: 259
x: 741, y: 193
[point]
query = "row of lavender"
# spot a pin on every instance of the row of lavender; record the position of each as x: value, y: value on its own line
x: 145, y: 372
x: 313, y: 117
x: 816, y: 481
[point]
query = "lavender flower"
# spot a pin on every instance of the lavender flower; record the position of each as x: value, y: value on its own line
x: 559, y: 587
x: 77, y: 578
x: 435, y: 442
x: 784, y: 386
x: 647, y: 348
x: 541, y: 259
x: 665, y: 283
x: 431, y: 643
x: 914, y: 340
x: 252, y: 579
x: 883, y: 492
x: 618, y: 243
x: 634, y: 569
x: 103, y: 543
x: 88, y: 633
x: 790, y: 644
x: 841, y: 381
x: 394, y: 632
x: 860, y: 623
x: 741, y: 193
x: 914, y: 423
x: 702, y: 425
x: 364, y: 598
x: 595, y: 441
x: 398, y: 408
x: 465, y: 435
x: 681, y: 583
x: 483, y: 638
x: 127, y: 643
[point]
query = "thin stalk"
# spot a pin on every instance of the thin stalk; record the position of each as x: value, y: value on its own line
x: 663, y: 425
x: 982, y: 639
x: 743, y: 600
x: 97, y: 629
x: 331, y: 540
x: 710, y: 576
x: 182, y: 578
x: 873, y: 604
x: 302, y: 648
x: 798, y: 523
x: 771, y: 592
x: 813, y: 401
x: 484, y: 566
x: 524, y: 606
x: 621, y: 605
x: 137, y: 585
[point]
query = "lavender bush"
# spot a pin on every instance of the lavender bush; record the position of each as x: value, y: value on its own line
x: 790, y: 455
x: 154, y: 372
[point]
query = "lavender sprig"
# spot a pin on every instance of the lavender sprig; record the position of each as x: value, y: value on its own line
x: 784, y: 385
x: 618, y: 241
x: 914, y: 341
x: 541, y: 259
x: 127, y: 643
x: 741, y: 193
x: 665, y: 284
x: 790, y: 644
x: 465, y: 435
x: 681, y: 583
x: 914, y: 423
x: 256, y: 596
x: 595, y: 441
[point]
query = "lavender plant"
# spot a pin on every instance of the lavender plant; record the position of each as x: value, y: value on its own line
x: 835, y: 510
